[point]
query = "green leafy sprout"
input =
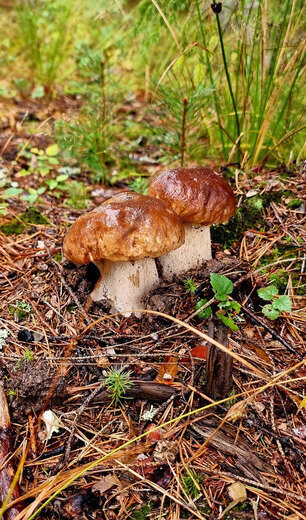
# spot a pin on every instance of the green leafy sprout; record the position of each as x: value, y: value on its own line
x: 41, y: 162
x: 117, y: 383
x: 139, y: 185
x: 28, y: 355
x: 278, y: 303
x: 228, y: 309
x: 204, y: 313
x: 191, y: 286
x: 21, y: 310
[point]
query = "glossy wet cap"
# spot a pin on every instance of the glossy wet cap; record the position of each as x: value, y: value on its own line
x: 198, y: 195
x: 127, y: 227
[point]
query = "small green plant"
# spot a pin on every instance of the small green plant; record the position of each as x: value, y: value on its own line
x: 58, y: 257
x: 204, y: 313
x: 191, y: 286
x: 77, y: 195
x: 28, y: 355
x: 21, y: 310
x: 3, y: 210
x: 57, y: 185
x: 117, y: 382
x: 33, y: 195
x: 142, y: 513
x: 180, y: 109
x: 191, y: 484
x: 228, y: 309
x: 12, y: 192
x: 139, y: 185
x: 278, y: 303
x: 223, y: 287
x: 41, y: 162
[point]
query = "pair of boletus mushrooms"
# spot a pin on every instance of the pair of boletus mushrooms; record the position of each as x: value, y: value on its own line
x: 124, y: 235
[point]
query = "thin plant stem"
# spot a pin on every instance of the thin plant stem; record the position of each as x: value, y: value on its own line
x: 228, y: 77
x: 211, y: 78
x: 103, y: 96
x: 183, y: 137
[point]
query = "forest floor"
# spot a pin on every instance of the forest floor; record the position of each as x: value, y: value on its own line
x: 56, y: 353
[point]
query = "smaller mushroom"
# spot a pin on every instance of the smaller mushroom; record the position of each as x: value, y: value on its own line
x: 201, y: 198
x: 122, y: 237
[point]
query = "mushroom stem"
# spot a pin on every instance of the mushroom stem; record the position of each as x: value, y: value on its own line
x: 125, y: 284
x: 196, y: 249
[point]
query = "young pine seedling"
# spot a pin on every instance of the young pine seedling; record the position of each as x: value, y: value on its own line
x: 191, y: 286
x: 278, y: 303
x: 117, y: 382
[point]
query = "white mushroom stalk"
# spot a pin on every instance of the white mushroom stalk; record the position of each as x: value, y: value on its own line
x: 122, y: 237
x: 195, y: 250
x: 125, y: 284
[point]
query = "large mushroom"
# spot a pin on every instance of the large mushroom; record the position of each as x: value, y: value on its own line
x: 122, y: 237
x: 201, y: 198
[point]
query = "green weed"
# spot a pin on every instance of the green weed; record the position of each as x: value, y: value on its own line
x: 228, y: 309
x: 191, y: 286
x: 277, y: 305
x: 117, y: 382
x: 21, y: 310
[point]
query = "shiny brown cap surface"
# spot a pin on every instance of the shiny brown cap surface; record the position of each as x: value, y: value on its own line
x: 198, y: 195
x: 127, y: 227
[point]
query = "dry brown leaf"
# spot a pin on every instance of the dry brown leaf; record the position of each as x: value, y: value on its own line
x: 106, y: 483
x: 165, y: 451
x: 167, y: 371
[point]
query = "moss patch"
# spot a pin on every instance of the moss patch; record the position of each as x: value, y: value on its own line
x: 248, y: 216
x: 30, y: 216
x: 15, y: 227
x: 33, y: 216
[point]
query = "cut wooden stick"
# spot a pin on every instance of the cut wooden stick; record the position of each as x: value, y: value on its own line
x: 7, y: 472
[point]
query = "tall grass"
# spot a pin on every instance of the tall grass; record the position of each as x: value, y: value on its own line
x: 266, y: 65
x: 248, y: 59
x: 46, y: 31
x: 253, y: 58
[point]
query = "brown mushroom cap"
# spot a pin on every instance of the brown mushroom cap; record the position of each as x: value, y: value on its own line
x: 127, y: 227
x: 198, y: 195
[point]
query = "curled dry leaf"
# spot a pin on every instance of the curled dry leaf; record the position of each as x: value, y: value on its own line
x: 154, y: 436
x: 236, y: 412
x: 52, y: 423
x: 106, y: 483
x: 167, y: 371
x: 165, y: 451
